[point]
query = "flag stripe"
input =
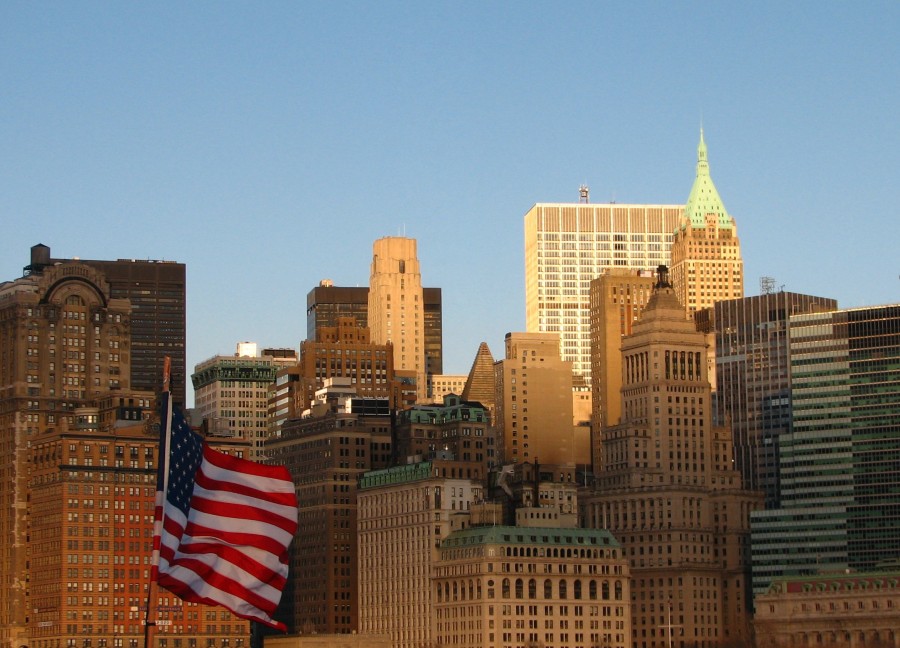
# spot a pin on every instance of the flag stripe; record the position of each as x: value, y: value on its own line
x: 225, y: 529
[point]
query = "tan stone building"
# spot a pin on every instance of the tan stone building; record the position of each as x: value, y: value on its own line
x: 444, y: 385
x: 231, y: 393
x: 567, y: 245
x: 404, y: 512
x: 618, y: 298
x: 342, y: 437
x: 397, y: 305
x: 706, y: 253
x: 344, y: 351
x: 669, y: 493
x: 524, y: 585
x: 846, y: 610
x: 534, y: 408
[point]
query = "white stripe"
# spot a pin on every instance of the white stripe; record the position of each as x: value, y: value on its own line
x: 285, y: 512
x: 258, y: 482
x: 234, y: 603
x: 228, y: 524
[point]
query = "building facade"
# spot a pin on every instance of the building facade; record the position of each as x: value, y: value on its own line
x: 617, y: 299
x: 156, y: 292
x: 397, y: 305
x: 93, y: 489
x: 569, y: 245
x: 837, y: 487
x: 231, y: 393
x: 753, y: 378
x: 668, y: 492
x: 534, y: 417
x: 404, y: 513
x: 510, y: 586
x: 326, y: 303
x: 342, y: 437
x: 455, y: 428
x: 706, y: 253
x: 345, y: 350
x: 856, y: 610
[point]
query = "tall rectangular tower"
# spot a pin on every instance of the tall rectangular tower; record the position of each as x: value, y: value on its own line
x: 618, y: 298
x: 753, y: 374
x: 397, y: 305
x: 667, y: 489
x: 534, y: 407
x: 839, y: 478
x: 569, y: 244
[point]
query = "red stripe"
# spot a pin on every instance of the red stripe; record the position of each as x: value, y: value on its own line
x: 234, y: 556
x: 210, y: 483
x: 183, y: 591
x: 232, y: 511
x: 236, y: 538
x: 246, y: 467
x: 211, y: 577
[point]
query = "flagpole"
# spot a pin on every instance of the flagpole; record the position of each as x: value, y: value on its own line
x: 152, y: 612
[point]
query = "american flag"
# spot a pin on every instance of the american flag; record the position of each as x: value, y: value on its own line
x: 223, y: 525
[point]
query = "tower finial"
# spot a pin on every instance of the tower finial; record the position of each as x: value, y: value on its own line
x: 702, y: 162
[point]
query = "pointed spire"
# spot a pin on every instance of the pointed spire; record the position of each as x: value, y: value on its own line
x: 704, y: 198
x: 702, y: 163
x: 480, y: 384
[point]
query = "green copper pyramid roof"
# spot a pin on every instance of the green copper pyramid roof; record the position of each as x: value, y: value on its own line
x: 704, y: 198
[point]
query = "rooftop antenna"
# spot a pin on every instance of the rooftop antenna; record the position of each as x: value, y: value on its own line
x: 613, y: 199
x: 584, y: 194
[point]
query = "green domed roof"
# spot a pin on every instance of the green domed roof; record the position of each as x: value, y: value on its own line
x: 704, y: 198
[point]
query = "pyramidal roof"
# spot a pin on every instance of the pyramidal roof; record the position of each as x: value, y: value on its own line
x: 704, y: 198
x: 480, y: 383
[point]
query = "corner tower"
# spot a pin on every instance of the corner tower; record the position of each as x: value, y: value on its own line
x: 706, y: 253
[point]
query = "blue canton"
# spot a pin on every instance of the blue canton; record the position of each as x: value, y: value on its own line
x: 184, y: 460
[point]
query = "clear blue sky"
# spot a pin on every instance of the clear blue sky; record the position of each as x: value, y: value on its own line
x: 267, y: 145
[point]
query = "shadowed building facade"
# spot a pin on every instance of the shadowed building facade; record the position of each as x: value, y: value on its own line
x: 668, y: 492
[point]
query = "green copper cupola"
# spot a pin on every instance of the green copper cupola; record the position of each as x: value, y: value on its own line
x: 704, y: 198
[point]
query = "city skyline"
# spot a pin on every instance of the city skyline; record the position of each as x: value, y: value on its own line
x: 236, y: 141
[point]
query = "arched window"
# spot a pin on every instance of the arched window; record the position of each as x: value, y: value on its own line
x: 618, y: 590
x: 548, y: 589
x: 520, y: 593
x: 592, y: 590
x: 605, y: 590
x: 563, y: 589
x: 532, y: 589
x: 505, y: 588
x: 577, y: 589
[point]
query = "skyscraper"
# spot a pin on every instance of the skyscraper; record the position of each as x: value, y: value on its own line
x: 65, y: 342
x: 839, y: 477
x: 156, y: 292
x: 753, y: 378
x: 397, y: 305
x: 569, y: 244
x: 343, y: 436
x: 326, y: 303
x: 404, y: 512
x: 617, y: 299
x: 706, y: 253
x: 534, y: 402
x: 667, y: 489
x: 231, y: 393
